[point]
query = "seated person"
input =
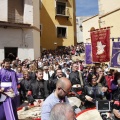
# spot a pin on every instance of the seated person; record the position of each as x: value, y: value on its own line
x: 37, y: 88
x: 93, y: 92
x: 101, y: 80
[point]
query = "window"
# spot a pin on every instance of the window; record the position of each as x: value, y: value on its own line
x: 15, y: 11
x: 61, y: 7
x: 61, y: 32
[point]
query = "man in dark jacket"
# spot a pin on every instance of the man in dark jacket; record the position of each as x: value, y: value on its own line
x: 37, y: 88
x: 76, y: 78
x: 54, y: 78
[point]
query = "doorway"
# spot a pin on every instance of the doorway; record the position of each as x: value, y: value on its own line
x: 11, y: 52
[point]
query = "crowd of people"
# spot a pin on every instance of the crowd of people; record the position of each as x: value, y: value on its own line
x: 70, y: 50
x: 52, y: 77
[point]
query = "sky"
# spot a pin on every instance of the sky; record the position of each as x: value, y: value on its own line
x: 86, y: 7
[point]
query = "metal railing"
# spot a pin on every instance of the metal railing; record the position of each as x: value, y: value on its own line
x: 62, y: 12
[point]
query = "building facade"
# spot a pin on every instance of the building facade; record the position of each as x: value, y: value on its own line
x: 19, y: 29
x: 106, y: 6
x: 87, y: 25
x: 58, y: 23
x: 108, y: 18
x: 79, y: 28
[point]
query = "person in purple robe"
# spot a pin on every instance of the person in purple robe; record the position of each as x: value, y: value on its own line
x: 8, y: 86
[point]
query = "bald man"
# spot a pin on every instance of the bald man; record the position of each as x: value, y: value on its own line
x: 62, y: 111
x: 63, y: 87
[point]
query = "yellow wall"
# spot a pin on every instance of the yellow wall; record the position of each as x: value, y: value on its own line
x: 49, y: 24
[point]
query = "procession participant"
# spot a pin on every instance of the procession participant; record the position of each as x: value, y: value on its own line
x: 76, y: 78
x: 53, y: 80
x: 63, y: 87
x: 37, y: 88
x: 25, y: 86
x: 8, y: 85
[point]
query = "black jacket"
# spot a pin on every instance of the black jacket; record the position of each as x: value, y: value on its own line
x: 38, y: 89
x: 95, y: 93
x: 74, y: 78
x: 24, y: 88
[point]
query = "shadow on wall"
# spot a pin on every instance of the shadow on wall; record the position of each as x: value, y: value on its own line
x: 49, y: 24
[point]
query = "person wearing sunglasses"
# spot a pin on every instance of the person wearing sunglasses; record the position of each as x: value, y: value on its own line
x: 63, y: 86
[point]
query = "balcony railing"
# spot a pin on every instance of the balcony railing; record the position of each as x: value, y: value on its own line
x: 15, y: 18
x: 62, y: 12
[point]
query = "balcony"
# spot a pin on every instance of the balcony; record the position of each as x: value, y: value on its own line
x: 62, y: 12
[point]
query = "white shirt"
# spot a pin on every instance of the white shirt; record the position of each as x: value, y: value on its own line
x: 51, y: 72
x: 45, y: 76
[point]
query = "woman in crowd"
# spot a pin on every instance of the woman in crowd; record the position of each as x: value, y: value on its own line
x: 32, y: 70
x: 92, y: 92
x: 24, y: 86
x: 51, y: 70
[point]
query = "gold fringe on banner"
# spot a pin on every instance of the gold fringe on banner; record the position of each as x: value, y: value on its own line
x: 95, y: 30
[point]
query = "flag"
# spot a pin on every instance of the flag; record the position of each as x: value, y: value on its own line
x: 100, y: 40
x: 115, y: 59
x: 88, y: 54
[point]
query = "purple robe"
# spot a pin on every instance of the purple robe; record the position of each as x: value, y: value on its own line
x: 9, y: 105
x: 19, y: 75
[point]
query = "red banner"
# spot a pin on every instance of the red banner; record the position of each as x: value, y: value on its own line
x: 100, y: 40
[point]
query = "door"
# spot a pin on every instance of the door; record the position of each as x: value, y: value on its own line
x: 11, y: 52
